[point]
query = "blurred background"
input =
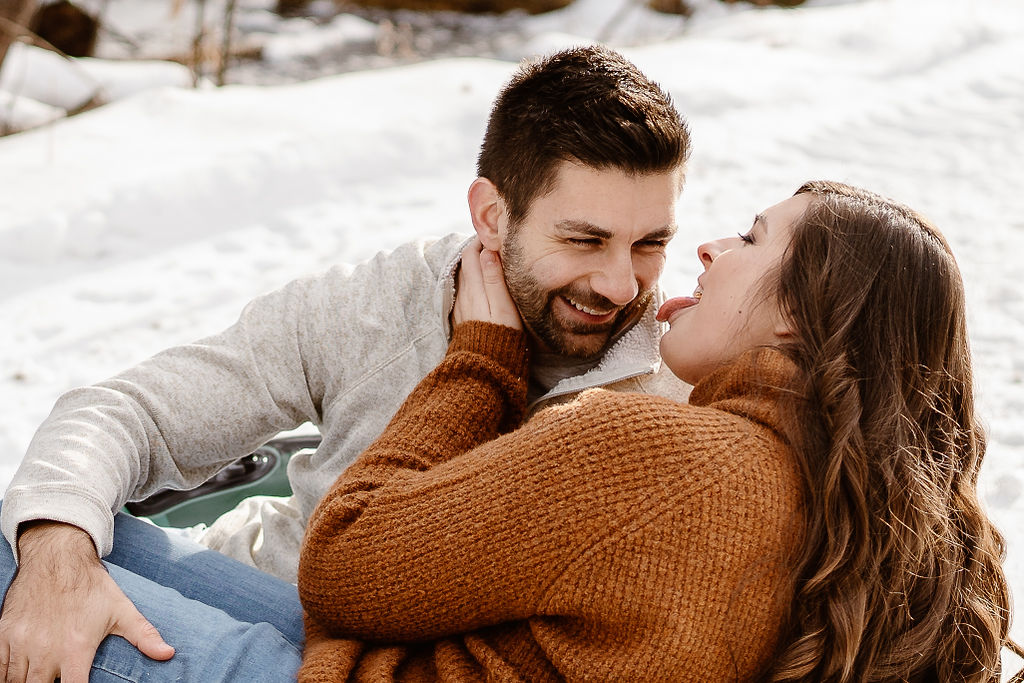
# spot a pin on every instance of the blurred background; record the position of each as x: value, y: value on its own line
x: 275, y: 41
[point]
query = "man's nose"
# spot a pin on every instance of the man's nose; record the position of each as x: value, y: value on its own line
x: 616, y: 281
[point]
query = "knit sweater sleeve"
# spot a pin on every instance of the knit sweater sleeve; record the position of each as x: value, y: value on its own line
x: 477, y: 393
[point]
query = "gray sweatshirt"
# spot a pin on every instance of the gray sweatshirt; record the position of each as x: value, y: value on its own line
x: 341, y: 350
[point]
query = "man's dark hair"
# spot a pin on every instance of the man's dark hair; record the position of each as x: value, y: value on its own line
x: 588, y: 104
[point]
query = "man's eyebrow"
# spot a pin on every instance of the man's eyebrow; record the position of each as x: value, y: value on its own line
x: 583, y: 228
x: 666, y: 232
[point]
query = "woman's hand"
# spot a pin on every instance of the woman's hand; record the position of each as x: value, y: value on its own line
x: 481, y: 293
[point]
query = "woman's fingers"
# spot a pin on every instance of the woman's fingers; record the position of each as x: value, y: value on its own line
x: 470, y: 301
x: 482, y: 293
x: 503, y: 310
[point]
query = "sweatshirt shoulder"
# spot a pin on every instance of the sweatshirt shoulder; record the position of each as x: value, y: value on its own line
x: 414, y: 280
x: 420, y: 261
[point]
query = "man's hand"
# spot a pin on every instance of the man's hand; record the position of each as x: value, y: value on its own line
x: 60, y: 607
x: 482, y: 293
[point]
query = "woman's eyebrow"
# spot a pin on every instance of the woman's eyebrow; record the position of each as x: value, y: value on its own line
x: 760, y: 218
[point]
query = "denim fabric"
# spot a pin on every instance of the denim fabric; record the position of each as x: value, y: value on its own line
x: 226, y: 621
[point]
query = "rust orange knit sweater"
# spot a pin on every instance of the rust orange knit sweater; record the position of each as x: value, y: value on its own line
x: 619, y: 537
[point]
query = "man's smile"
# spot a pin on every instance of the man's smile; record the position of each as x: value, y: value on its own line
x: 591, y: 315
x: 591, y: 311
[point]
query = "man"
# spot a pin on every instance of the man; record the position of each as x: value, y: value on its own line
x: 579, y: 172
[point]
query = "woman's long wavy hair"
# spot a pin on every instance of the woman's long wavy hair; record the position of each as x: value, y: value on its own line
x: 899, y: 576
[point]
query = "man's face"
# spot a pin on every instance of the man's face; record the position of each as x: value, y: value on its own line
x: 583, y: 264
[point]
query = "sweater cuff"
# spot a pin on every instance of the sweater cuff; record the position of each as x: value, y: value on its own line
x: 503, y: 344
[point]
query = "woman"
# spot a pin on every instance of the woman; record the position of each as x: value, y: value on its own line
x: 810, y: 515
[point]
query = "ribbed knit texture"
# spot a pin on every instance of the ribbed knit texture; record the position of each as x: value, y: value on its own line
x: 618, y: 537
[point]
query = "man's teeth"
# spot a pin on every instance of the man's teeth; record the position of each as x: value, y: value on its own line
x: 588, y: 311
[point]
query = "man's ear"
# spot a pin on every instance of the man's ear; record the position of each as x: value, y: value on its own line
x: 486, y: 208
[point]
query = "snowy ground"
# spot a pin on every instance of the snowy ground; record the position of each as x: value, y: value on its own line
x: 152, y: 220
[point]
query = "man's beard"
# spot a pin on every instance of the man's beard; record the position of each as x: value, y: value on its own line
x: 571, y: 338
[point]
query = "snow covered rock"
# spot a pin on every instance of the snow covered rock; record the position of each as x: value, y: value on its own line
x: 21, y: 113
x: 38, y: 86
x: 46, y: 77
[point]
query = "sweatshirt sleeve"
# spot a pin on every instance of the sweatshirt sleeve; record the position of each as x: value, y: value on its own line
x: 177, y: 418
x: 173, y: 420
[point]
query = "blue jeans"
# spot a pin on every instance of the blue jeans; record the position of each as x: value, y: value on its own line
x: 225, y: 620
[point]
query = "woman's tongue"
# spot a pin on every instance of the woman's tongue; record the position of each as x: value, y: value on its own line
x: 675, y: 304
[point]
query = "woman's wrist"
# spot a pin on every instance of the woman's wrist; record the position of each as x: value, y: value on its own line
x: 504, y: 344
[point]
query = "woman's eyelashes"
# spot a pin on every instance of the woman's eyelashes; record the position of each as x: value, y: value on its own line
x: 747, y: 238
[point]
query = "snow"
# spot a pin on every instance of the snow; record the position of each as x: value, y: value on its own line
x: 150, y: 221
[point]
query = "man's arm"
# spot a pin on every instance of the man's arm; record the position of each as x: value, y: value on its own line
x: 177, y: 418
x: 173, y: 420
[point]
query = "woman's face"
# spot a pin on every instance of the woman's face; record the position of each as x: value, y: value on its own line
x: 728, y: 313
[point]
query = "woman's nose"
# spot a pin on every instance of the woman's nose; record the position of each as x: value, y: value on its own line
x: 708, y: 252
